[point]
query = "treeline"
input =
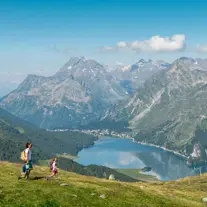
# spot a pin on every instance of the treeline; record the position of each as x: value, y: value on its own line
x: 14, y: 133
x: 12, y: 142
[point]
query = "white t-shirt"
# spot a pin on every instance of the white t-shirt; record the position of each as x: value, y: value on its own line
x: 54, y: 165
x: 29, y: 153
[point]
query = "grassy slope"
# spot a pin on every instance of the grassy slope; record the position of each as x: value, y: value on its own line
x: 85, y: 191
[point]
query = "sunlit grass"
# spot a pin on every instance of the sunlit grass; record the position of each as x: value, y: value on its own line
x: 86, y: 191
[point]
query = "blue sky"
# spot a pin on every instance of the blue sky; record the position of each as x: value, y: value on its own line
x: 39, y: 36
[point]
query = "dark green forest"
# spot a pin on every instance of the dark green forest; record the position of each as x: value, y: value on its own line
x: 14, y: 133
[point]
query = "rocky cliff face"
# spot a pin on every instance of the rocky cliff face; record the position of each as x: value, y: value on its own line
x: 169, y: 107
x: 131, y: 77
x: 74, y: 96
x: 77, y: 94
x: 94, y: 77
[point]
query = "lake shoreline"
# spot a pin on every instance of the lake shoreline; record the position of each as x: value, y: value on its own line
x: 148, y: 144
x: 130, y: 156
x: 131, y: 138
x: 157, y: 146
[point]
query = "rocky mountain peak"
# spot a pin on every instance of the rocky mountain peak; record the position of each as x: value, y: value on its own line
x: 185, y: 60
x: 75, y: 64
x: 141, y: 61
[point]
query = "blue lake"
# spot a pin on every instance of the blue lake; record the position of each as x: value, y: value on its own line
x: 124, y: 153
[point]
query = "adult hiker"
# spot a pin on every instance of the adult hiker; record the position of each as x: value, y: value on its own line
x: 26, y: 156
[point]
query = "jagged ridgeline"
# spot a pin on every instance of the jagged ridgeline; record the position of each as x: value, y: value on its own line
x: 77, y: 94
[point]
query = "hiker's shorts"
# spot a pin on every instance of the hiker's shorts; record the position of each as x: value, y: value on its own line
x: 55, y: 171
x: 29, y: 165
x: 24, y: 168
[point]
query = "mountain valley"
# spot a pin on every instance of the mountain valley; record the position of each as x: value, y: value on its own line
x: 153, y: 101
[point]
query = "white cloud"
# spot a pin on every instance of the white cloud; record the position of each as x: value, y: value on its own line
x: 202, y: 48
x: 154, y: 44
x: 121, y: 44
x: 157, y: 43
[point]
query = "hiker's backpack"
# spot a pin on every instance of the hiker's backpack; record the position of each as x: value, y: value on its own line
x: 50, y: 164
x: 22, y: 157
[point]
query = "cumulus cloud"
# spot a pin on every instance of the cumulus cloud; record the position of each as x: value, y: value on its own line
x: 121, y: 44
x: 202, y: 48
x: 154, y: 44
x: 157, y: 43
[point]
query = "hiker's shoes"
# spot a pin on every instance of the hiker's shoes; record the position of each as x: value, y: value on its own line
x: 23, y: 177
x: 47, y: 177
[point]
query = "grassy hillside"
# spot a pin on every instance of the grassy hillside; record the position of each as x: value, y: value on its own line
x: 14, y: 133
x: 88, y: 191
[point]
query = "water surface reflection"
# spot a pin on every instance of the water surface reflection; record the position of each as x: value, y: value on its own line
x: 123, y: 153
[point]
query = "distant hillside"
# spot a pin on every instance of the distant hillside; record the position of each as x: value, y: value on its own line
x: 12, y: 142
x: 75, y: 190
x: 14, y: 133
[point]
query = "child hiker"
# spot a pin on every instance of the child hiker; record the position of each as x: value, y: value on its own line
x: 53, y: 169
